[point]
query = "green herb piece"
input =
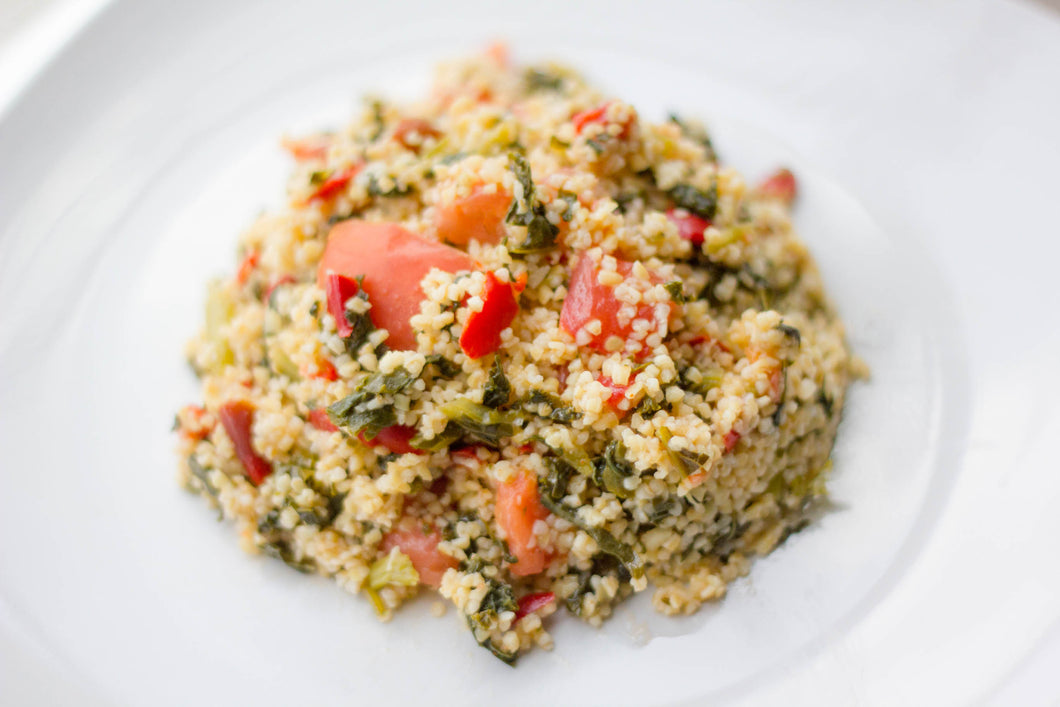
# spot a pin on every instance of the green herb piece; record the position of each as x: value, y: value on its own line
x: 696, y: 381
x: 606, y: 541
x: 558, y: 144
x: 357, y: 411
x: 499, y: 598
x: 661, y: 509
x: 281, y: 550
x: 480, y: 422
x: 220, y: 308
x: 392, y: 193
x: 202, y: 474
x: 539, y: 80
x: 701, y: 203
x: 698, y: 134
x: 453, y: 158
x: 624, y: 199
x: 790, y: 332
x: 378, y: 119
x: 498, y: 390
x: 647, y: 407
x: 540, y: 232
x: 572, y: 204
x: 393, y: 570
x: 452, y: 433
x: 676, y: 290
x: 612, y: 468
x: 558, y: 412
x: 318, y: 177
x: 686, y: 462
x: 554, y: 485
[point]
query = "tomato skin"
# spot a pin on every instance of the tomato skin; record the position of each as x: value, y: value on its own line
x: 318, y: 418
x: 482, y: 332
x: 396, y: 438
x: 689, y: 226
x: 533, y: 602
x: 732, y: 437
x: 339, y: 289
x: 780, y: 185
x: 587, y: 299
x: 618, y: 394
x: 597, y: 115
x: 310, y: 148
x: 247, y: 266
x: 476, y: 217
x: 408, y: 126
x: 237, y: 417
x: 334, y: 184
x: 422, y: 549
x: 393, y: 262
x: 518, y: 508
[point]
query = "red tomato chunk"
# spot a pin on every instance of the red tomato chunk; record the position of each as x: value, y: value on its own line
x: 422, y: 549
x: 518, y: 508
x: 587, y: 299
x: 780, y: 185
x: 689, y: 226
x: 396, y: 438
x: 476, y: 217
x: 482, y: 333
x: 339, y: 289
x: 318, y: 418
x: 237, y: 417
x: 533, y: 602
x: 334, y: 184
x: 393, y: 261
x: 618, y: 393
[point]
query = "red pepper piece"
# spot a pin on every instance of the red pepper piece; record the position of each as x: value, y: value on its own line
x: 335, y: 183
x: 247, y: 267
x: 689, y: 226
x: 396, y: 438
x: 731, y: 438
x: 779, y: 185
x: 533, y: 602
x: 618, y: 393
x: 237, y: 417
x: 339, y: 289
x: 482, y: 333
x: 318, y: 418
x: 408, y: 126
x: 282, y: 280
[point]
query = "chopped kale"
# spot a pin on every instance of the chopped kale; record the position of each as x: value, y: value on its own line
x: 540, y: 232
x: 572, y: 203
x: 558, y: 412
x: 360, y: 323
x: 612, y: 468
x: 607, y: 542
x: 790, y: 332
x: 648, y: 406
x: 499, y: 598
x: 698, y: 134
x: 452, y: 433
x: 554, y: 485
x: 676, y: 290
x: 701, y: 203
x: 378, y: 119
x: 202, y: 474
x: 540, y: 80
x: 453, y: 158
x: 478, y: 421
x: 445, y: 367
x: 498, y: 390
x: 392, y: 193
x: 624, y: 199
x: 359, y: 412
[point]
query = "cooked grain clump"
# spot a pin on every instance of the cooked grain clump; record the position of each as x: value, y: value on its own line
x: 518, y: 345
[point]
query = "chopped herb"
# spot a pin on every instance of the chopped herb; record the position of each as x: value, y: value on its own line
x: 202, y: 474
x: 558, y: 144
x: 606, y: 541
x: 314, y: 309
x: 498, y: 390
x: 661, y: 508
x: 554, y: 485
x: 558, y: 412
x: 393, y: 570
x: 378, y: 119
x: 538, y: 80
x: 499, y: 598
x: 478, y: 421
x: 697, y: 133
x: 676, y: 290
x: 623, y: 200
x: 572, y: 203
x: 445, y: 367
x: 540, y: 232
x: 696, y: 381
x: 453, y: 158
x: 826, y: 402
x: 647, y: 407
x: 443, y: 439
x: 598, y: 143
x: 393, y: 192
x: 360, y: 323
x: 686, y: 461
x: 790, y: 332
x: 356, y: 411
x: 281, y: 550
x: 701, y: 203
x: 612, y: 468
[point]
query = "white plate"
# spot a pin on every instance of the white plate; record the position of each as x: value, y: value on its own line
x: 130, y: 164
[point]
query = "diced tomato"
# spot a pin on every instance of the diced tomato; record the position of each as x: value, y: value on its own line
x: 731, y: 438
x: 478, y: 216
x: 779, y: 185
x: 482, y: 333
x: 526, y: 448
x: 422, y: 549
x: 237, y: 417
x: 439, y: 485
x: 396, y: 438
x: 689, y: 226
x: 325, y: 369
x: 596, y: 115
x: 246, y: 268
x: 518, y: 508
x: 498, y: 52
x: 587, y: 299
x: 618, y: 393
x: 469, y: 452
x: 335, y: 183
x: 340, y: 289
x: 280, y: 281
x: 318, y: 418
x: 393, y: 262
x: 776, y: 381
x: 314, y: 147
x: 410, y: 126
x: 533, y: 602
x: 195, y: 427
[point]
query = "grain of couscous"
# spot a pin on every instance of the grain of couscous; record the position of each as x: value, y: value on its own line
x: 518, y: 345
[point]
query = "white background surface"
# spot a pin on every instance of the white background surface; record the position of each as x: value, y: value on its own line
x: 942, y: 120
